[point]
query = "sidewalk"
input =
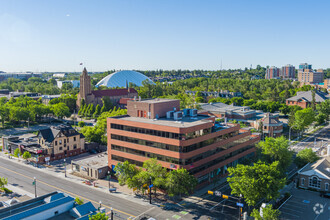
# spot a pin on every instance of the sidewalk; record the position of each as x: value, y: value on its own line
x: 101, y: 186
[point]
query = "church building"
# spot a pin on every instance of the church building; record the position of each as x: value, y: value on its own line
x: 95, y: 96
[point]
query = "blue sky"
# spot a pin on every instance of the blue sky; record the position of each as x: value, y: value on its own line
x: 39, y: 35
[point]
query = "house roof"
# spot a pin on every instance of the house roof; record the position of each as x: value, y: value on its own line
x: 307, y: 96
x: 84, y: 209
x: 49, y: 134
x: 270, y: 119
x: 112, y: 92
x: 320, y: 168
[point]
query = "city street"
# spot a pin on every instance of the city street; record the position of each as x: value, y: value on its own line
x: 320, y: 139
x: 21, y: 176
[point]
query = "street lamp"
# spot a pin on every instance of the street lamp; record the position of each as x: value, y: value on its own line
x: 111, y: 215
x: 65, y: 167
x: 109, y: 176
x: 290, y: 135
x: 150, y: 191
x: 35, y: 186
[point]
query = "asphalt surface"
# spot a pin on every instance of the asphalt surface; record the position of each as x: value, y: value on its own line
x: 21, y: 176
x: 317, y: 141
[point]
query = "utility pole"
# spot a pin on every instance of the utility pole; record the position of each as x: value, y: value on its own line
x: 65, y: 167
x: 109, y: 176
x: 239, y: 208
x: 150, y: 191
x: 35, y: 186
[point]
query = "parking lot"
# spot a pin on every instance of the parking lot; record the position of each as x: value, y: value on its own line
x: 306, y: 205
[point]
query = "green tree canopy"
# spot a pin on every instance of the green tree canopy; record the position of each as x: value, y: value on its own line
x: 305, y: 156
x: 61, y: 110
x: 180, y: 182
x: 268, y: 213
x: 256, y: 182
x: 26, y: 155
x: 276, y: 149
x: 304, y: 118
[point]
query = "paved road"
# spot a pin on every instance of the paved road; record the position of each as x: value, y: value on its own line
x: 21, y: 176
x: 124, y: 207
x: 321, y: 139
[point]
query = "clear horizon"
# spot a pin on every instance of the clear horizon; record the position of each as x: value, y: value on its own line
x: 55, y: 36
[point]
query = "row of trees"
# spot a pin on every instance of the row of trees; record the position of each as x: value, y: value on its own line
x: 28, y: 109
x: 35, y: 84
x: 176, y: 182
x: 97, y: 133
x: 92, y: 111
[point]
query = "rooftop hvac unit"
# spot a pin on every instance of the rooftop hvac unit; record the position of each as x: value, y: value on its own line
x: 178, y: 115
x: 193, y: 112
x: 186, y: 111
x: 170, y: 114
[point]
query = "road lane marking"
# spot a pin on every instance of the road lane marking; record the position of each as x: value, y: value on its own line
x: 39, y: 181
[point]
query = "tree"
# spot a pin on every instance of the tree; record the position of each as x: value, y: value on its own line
x: 17, y: 152
x: 98, y: 216
x: 268, y: 213
x: 256, y: 182
x: 26, y: 155
x: 81, y: 124
x: 180, y: 182
x: 61, y: 110
x: 324, y: 108
x: 156, y: 172
x: 313, y: 103
x: 305, y: 156
x: 3, y: 182
x: 304, y: 118
x: 276, y: 149
x: 107, y: 104
x: 125, y: 171
x: 97, y: 111
x: 79, y: 201
x: 321, y: 118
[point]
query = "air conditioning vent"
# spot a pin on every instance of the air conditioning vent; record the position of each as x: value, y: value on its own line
x: 178, y: 115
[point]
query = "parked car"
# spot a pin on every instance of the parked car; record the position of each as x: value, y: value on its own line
x: 325, y: 195
x: 92, y: 151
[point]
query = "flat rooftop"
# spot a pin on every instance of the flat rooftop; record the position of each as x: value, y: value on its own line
x: 183, y: 123
x: 155, y: 100
x: 94, y: 162
x: 221, y: 107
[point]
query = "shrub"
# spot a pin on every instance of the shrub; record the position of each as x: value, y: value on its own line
x: 81, y: 124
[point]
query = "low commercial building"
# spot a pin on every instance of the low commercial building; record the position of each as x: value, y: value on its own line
x: 316, y: 175
x: 18, y: 75
x: 304, y: 98
x: 95, y: 167
x: 46, y: 98
x: 157, y: 128
x: 75, y: 83
x: 221, y: 110
x: 55, y: 205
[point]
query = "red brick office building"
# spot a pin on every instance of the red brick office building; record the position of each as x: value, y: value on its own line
x: 156, y: 128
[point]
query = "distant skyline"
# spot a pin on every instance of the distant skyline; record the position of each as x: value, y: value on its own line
x: 54, y: 36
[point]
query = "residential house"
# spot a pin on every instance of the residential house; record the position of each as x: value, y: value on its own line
x: 304, y: 98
